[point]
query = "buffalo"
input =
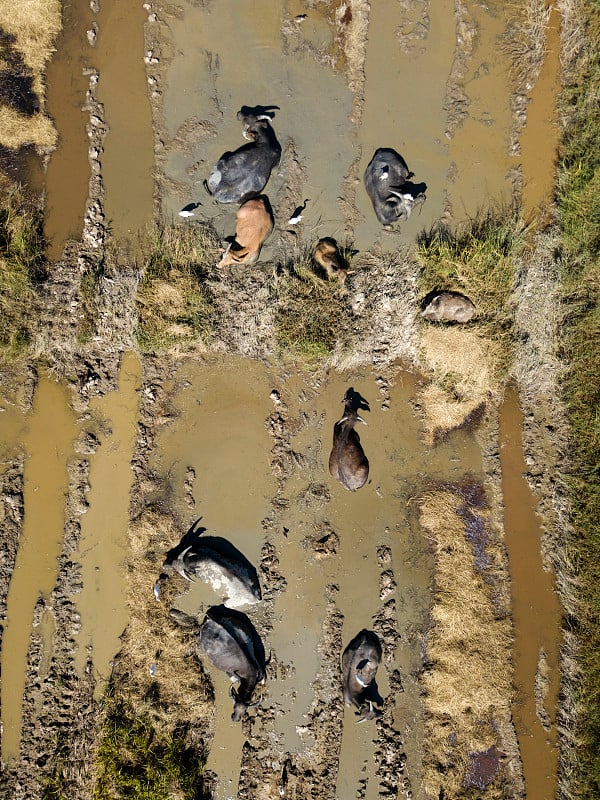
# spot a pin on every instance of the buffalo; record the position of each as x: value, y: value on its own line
x: 327, y: 255
x: 217, y: 562
x: 232, y: 644
x: 348, y: 463
x: 360, y: 661
x: 448, y: 307
x: 245, y: 172
x: 387, y: 183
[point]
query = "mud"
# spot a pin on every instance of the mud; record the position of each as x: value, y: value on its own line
x: 241, y: 444
x: 536, y: 612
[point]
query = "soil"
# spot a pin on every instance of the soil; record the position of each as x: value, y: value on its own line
x: 240, y: 440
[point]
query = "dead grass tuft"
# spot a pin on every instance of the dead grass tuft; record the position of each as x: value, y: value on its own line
x: 463, y: 364
x: 17, y: 130
x: 525, y: 41
x: 468, y: 681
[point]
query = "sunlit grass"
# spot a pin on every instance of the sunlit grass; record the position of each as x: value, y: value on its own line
x: 175, y: 304
x: 21, y: 266
x: 579, y: 206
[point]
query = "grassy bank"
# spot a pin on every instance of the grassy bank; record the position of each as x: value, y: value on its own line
x: 21, y: 266
x: 579, y: 206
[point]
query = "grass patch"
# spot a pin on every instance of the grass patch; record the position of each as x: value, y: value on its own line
x: 466, y: 681
x: 21, y: 267
x: 310, y: 310
x: 175, y: 304
x: 135, y: 761
x: 579, y: 208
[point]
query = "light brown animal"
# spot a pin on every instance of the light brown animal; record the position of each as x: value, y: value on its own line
x: 254, y: 224
x: 449, y: 307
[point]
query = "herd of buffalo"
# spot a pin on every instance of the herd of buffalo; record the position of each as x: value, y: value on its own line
x: 227, y: 636
x: 240, y: 177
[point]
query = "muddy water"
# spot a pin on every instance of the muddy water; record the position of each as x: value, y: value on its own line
x: 128, y: 158
x: 480, y: 145
x: 536, y: 613
x: 216, y: 456
x: 402, y: 110
x: 209, y: 80
x: 50, y: 431
x: 539, y: 140
x: 68, y: 170
x: 103, y: 542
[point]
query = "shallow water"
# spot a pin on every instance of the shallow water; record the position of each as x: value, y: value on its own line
x: 535, y: 607
x: 103, y: 543
x: 47, y: 441
x: 216, y: 457
x: 68, y: 170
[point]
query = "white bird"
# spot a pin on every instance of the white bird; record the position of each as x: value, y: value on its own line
x: 188, y: 211
x: 297, y: 215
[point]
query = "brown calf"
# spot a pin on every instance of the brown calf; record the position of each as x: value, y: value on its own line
x: 254, y: 224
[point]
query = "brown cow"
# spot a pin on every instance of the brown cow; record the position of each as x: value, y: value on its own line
x: 327, y: 254
x: 348, y: 463
x: 254, y: 224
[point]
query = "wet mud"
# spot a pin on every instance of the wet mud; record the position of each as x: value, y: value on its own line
x: 237, y: 444
x: 536, y: 613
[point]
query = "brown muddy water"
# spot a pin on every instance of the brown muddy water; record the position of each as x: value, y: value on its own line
x: 127, y: 158
x: 216, y: 457
x: 336, y: 131
x: 536, y: 612
x: 539, y: 140
x: 68, y: 169
x: 103, y: 542
x: 48, y: 436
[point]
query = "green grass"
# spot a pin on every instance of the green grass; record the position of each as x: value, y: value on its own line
x: 136, y: 761
x: 21, y: 267
x: 579, y: 206
x: 309, y: 310
x: 477, y: 258
x: 175, y: 304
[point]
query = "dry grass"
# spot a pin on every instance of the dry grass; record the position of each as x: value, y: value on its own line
x: 32, y: 27
x: 525, y: 42
x: 178, y: 691
x: 468, y: 685
x: 463, y: 364
x: 18, y: 129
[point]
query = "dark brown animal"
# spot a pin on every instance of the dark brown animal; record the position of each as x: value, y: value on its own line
x: 449, y: 307
x: 348, y: 463
x: 254, y: 224
x: 327, y: 255
x: 360, y: 661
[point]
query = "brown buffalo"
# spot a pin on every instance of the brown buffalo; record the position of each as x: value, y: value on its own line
x: 348, y: 463
x: 327, y: 255
x: 449, y: 307
x: 254, y: 224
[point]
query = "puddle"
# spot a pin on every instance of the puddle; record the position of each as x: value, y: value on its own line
x: 480, y: 145
x: 403, y: 111
x: 210, y: 80
x: 535, y: 607
x: 216, y: 455
x: 103, y: 542
x: 47, y: 440
x: 539, y: 140
x: 68, y: 170
x: 128, y: 158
